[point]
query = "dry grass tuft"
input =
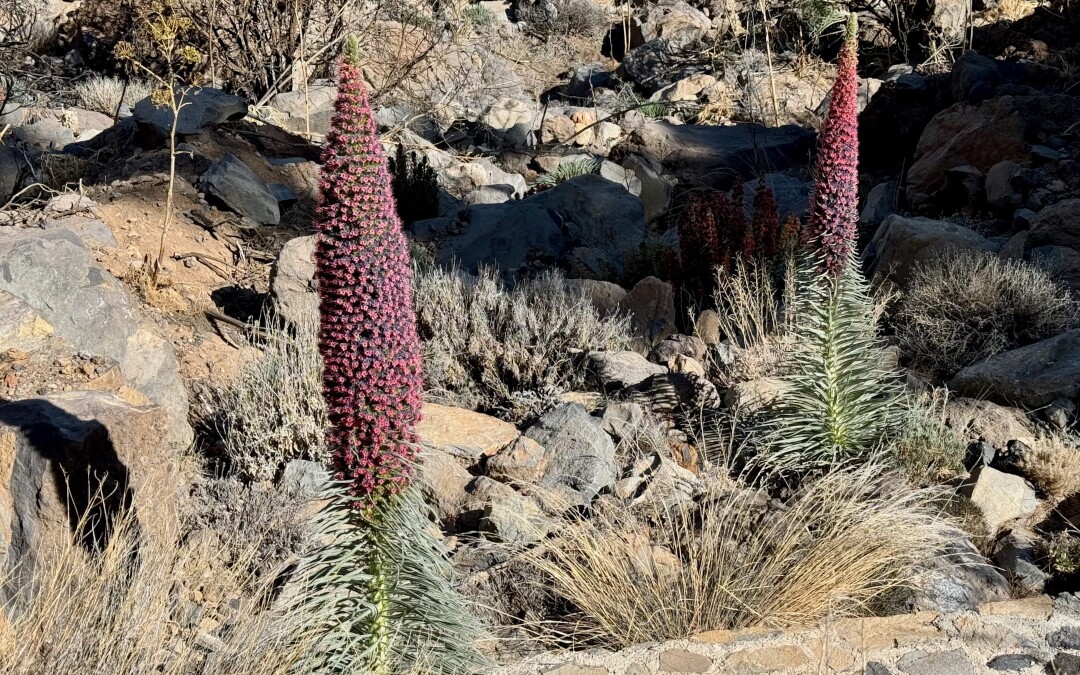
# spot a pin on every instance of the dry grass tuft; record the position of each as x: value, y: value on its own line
x: 130, y: 608
x: 965, y: 307
x: 105, y: 94
x: 160, y: 294
x: 730, y: 560
x: 1053, y: 466
x: 753, y: 319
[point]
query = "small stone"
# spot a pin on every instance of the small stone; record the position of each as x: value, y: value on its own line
x: 622, y: 420
x: 1060, y: 413
x: 953, y: 662
x: 1000, y: 496
x: 617, y: 370
x: 708, y: 327
x: 877, y: 668
x: 1065, y: 638
x: 979, y: 453
x: 1007, y: 662
x: 521, y: 461
x: 1023, y: 218
x: 1064, y: 664
x: 765, y: 660
x: 682, y: 661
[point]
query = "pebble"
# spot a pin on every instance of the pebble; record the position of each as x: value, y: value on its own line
x: 1007, y: 662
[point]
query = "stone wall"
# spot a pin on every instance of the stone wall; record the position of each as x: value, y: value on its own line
x: 1033, y: 635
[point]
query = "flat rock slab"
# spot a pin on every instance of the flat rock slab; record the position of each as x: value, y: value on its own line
x: 202, y: 107
x: 1028, y: 377
x: 444, y: 426
x: 717, y: 154
x: 954, y: 662
x: 682, y: 661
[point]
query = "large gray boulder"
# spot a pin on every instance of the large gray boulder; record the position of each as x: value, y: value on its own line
x: 578, y: 452
x: 54, y: 273
x: 1057, y: 225
x: 46, y: 441
x: 661, y: 62
x: 675, y: 20
x: 1001, y: 497
x: 1029, y: 377
x: 505, y: 236
x: 588, y: 224
x: 600, y: 215
x: 617, y: 370
x: 234, y: 183
x: 900, y: 243
x: 716, y: 154
x: 302, y: 111
x: 45, y: 134
x: 202, y: 107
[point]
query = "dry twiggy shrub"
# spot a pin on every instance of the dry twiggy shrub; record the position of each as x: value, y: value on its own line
x: 730, y: 560
x: 581, y: 18
x: 1053, y: 466
x: 965, y: 307
x: 484, y: 345
x: 274, y: 410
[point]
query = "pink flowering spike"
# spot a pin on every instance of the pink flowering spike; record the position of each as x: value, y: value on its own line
x: 832, y: 224
x: 763, y: 236
x: 367, y: 333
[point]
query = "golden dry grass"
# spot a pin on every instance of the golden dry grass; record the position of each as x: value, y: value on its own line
x: 128, y: 610
x: 845, y: 542
x: 160, y: 294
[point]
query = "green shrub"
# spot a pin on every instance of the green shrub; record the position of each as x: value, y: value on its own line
x: 928, y: 450
x: 571, y: 168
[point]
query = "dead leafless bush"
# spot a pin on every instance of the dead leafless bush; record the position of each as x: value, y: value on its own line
x: 965, y: 307
x: 564, y: 18
x: 256, y: 47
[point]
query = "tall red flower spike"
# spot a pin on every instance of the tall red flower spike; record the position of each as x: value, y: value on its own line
x: 833, y: 217
x: 763, y: 235
x: 367, y: 333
